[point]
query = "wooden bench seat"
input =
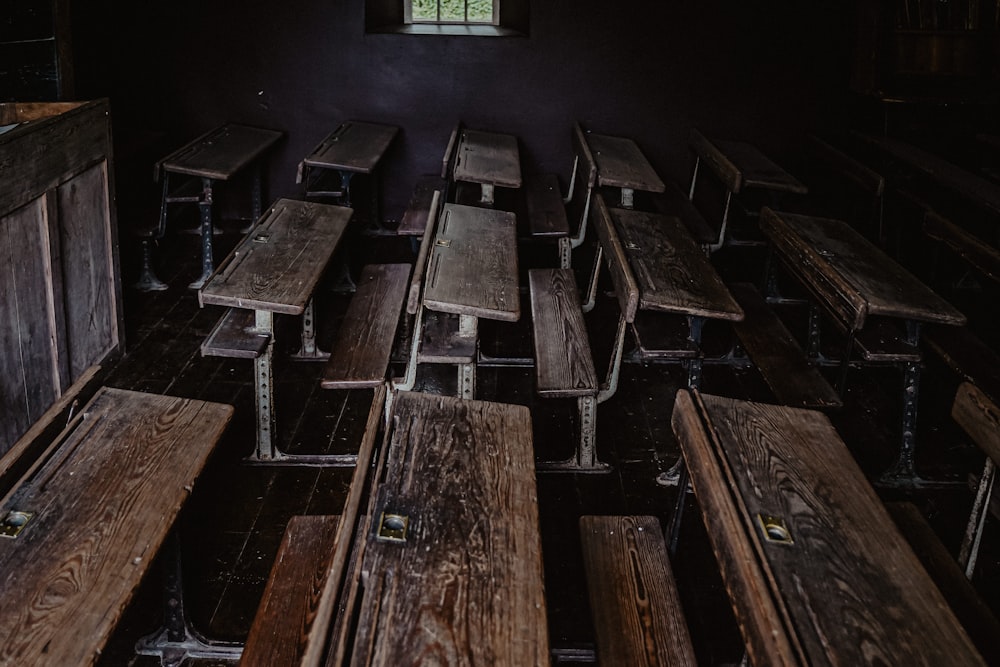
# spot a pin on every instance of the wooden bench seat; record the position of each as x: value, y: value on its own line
x: 414, y: 220
x: 288, y: 607
x: 967, y: 356
x: 564, y: 366
x: 971, y: 610
x: 634, y: 602
x: 545, y: 207
x: 363, y: 344
x: 778, y: 356
x: 235, y: 335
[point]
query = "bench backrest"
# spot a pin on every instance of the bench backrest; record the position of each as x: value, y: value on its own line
x: 979, y: 417
x: 626, y: 287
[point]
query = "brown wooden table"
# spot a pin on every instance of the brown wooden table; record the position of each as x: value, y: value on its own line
x: 218, y: 155
x: 816, y: 570
x: 452, y: 558
x: 275, y: 269
x: 878, y: 303
x: 489, y: 159
x: 355, y: 147
x: 472, y: 272
x: 620, y: 164
x: 95, y: 513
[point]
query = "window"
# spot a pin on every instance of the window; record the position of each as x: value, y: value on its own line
x: 484, y: 12
x: 485, y: 18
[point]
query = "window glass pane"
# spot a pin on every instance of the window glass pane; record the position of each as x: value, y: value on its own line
x: 424, y: 10
x: 481, y: 11
x: 453, y: 10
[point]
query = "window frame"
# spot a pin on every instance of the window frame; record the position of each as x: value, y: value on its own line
x: 408, y: 15
x: 387, y: 17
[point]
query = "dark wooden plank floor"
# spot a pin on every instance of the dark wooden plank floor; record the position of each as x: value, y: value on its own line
x: 233, y: 524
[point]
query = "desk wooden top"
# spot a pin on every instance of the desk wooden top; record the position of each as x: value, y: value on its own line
x: 847, y: 589
x: 672, y: 272
x: 354, y: 146
x: 467, y: 580
x: 277, y: 265
x: 973, y: 187
x: 102, y: 505
x: 221, y: 153
x: 850, y: 273
x: 758, y: 170
x: 621, y: 164
x: 473, y: 264
x: 488, y: 157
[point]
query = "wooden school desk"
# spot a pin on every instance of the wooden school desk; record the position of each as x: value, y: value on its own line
x: 275, y: 270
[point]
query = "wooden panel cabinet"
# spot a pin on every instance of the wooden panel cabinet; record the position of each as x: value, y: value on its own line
x: 60, y: 286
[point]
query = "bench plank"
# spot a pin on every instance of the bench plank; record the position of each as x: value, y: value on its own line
x: 546, y: 210
x: 973, y: 612
x: 979, y: 417
x: 564, y: 365
x: 235, y: 336
x: 767, y: 474
x: 297, y: 579
x: 638, y: 618
x: 414, y: 220
x: 626, y: 287
x: 778, y: 356
x: 441, y: 342
x: 103, y: 504
x: 360, y: 354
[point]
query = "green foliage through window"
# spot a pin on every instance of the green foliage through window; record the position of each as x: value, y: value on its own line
x: 453, y: 11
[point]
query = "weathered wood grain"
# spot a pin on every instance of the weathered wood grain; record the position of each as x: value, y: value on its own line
x: 220, y: 153
x: 564, y: 365
x: 850, y: 275
x: 674, y: 275
x: 354, y: 146
x: 102, y: 505
x: 621, y: 164
x: 488, y: 157
x: 586, y: 164
x: 473, y: 264
x: 634, y: 602
x: 465, y: 585
x: 276, y: 267
x: 359, y: 357
x: 846, y: 589
x: 60, y: 288
x: 441, y: 341
x: 287, y: 609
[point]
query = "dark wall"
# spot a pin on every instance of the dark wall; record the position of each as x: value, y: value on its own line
x: 761, y: 71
